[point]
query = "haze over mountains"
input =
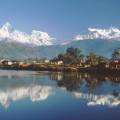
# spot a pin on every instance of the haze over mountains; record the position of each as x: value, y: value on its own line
x: 17, y: 44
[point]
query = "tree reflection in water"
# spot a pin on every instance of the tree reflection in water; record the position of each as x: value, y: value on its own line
x: 76, y: 81
x: 96, y: 89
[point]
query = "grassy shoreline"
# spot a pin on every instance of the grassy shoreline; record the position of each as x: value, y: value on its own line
x: 61, y: 68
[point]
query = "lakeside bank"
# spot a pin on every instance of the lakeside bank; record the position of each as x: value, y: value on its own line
x: 61, y: 68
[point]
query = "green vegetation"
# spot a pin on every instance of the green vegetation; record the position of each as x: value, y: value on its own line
x: 72, y: 60
x: 72, y: 56
x: 116, y: 54
x: 75, y: 56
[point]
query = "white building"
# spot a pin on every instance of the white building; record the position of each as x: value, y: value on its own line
x: 47, y: 61
x: 59, y: 62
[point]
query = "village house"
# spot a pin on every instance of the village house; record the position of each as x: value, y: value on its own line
x: 115, y: 64
x: 107, y: 65
x: 46, y: 61
x: 87, y: 63
x: 8, y: 62
x: 56, y: 62
x: 41, y: 61
x: 104, y: 65
x: 82, y: 62
x: 21, y: 63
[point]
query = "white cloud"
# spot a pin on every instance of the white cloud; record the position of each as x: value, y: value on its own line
x: 8, y: 33
x: 95, y: 33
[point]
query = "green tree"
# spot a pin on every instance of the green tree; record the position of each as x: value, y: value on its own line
x: 92, y: 58
x: 102, y: 59
x: 75, y: 52
x: 116, y: 54
x: 72, y: 56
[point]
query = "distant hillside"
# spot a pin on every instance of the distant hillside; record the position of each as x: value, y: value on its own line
x: 101, y: 47
x: 17, y: 50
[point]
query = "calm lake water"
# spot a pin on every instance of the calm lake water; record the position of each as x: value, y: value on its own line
x: 26, y: 95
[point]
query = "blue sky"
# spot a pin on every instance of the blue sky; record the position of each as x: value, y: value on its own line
x: 62, y: 19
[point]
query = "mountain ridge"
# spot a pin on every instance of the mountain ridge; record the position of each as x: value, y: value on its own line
x: 20, y: 45
x: 36, y: 38
x: 20, y: 51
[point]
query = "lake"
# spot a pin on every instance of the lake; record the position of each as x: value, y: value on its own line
x: 30, y: 95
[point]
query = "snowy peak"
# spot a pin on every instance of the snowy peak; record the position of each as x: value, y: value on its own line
x: 36, y: 38
x: 7, y: 27
x: 40, y: 38
x: 93, y: 33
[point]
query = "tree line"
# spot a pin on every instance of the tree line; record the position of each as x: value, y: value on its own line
x: 74, y: 56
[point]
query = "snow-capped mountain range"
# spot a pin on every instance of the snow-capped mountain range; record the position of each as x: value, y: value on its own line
x: 111, y: 33
x: 15, y: 44
x: 37, y: 38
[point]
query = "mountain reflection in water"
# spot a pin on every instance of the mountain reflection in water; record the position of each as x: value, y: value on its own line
x: 94, y: 88
x: 38, y: 86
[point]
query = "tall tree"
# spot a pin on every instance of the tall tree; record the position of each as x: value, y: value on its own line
x: 116, y: 54
x: 72, y: 56
x: 93, y: 58
x: 102, y: 59
x: 73, y: 52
